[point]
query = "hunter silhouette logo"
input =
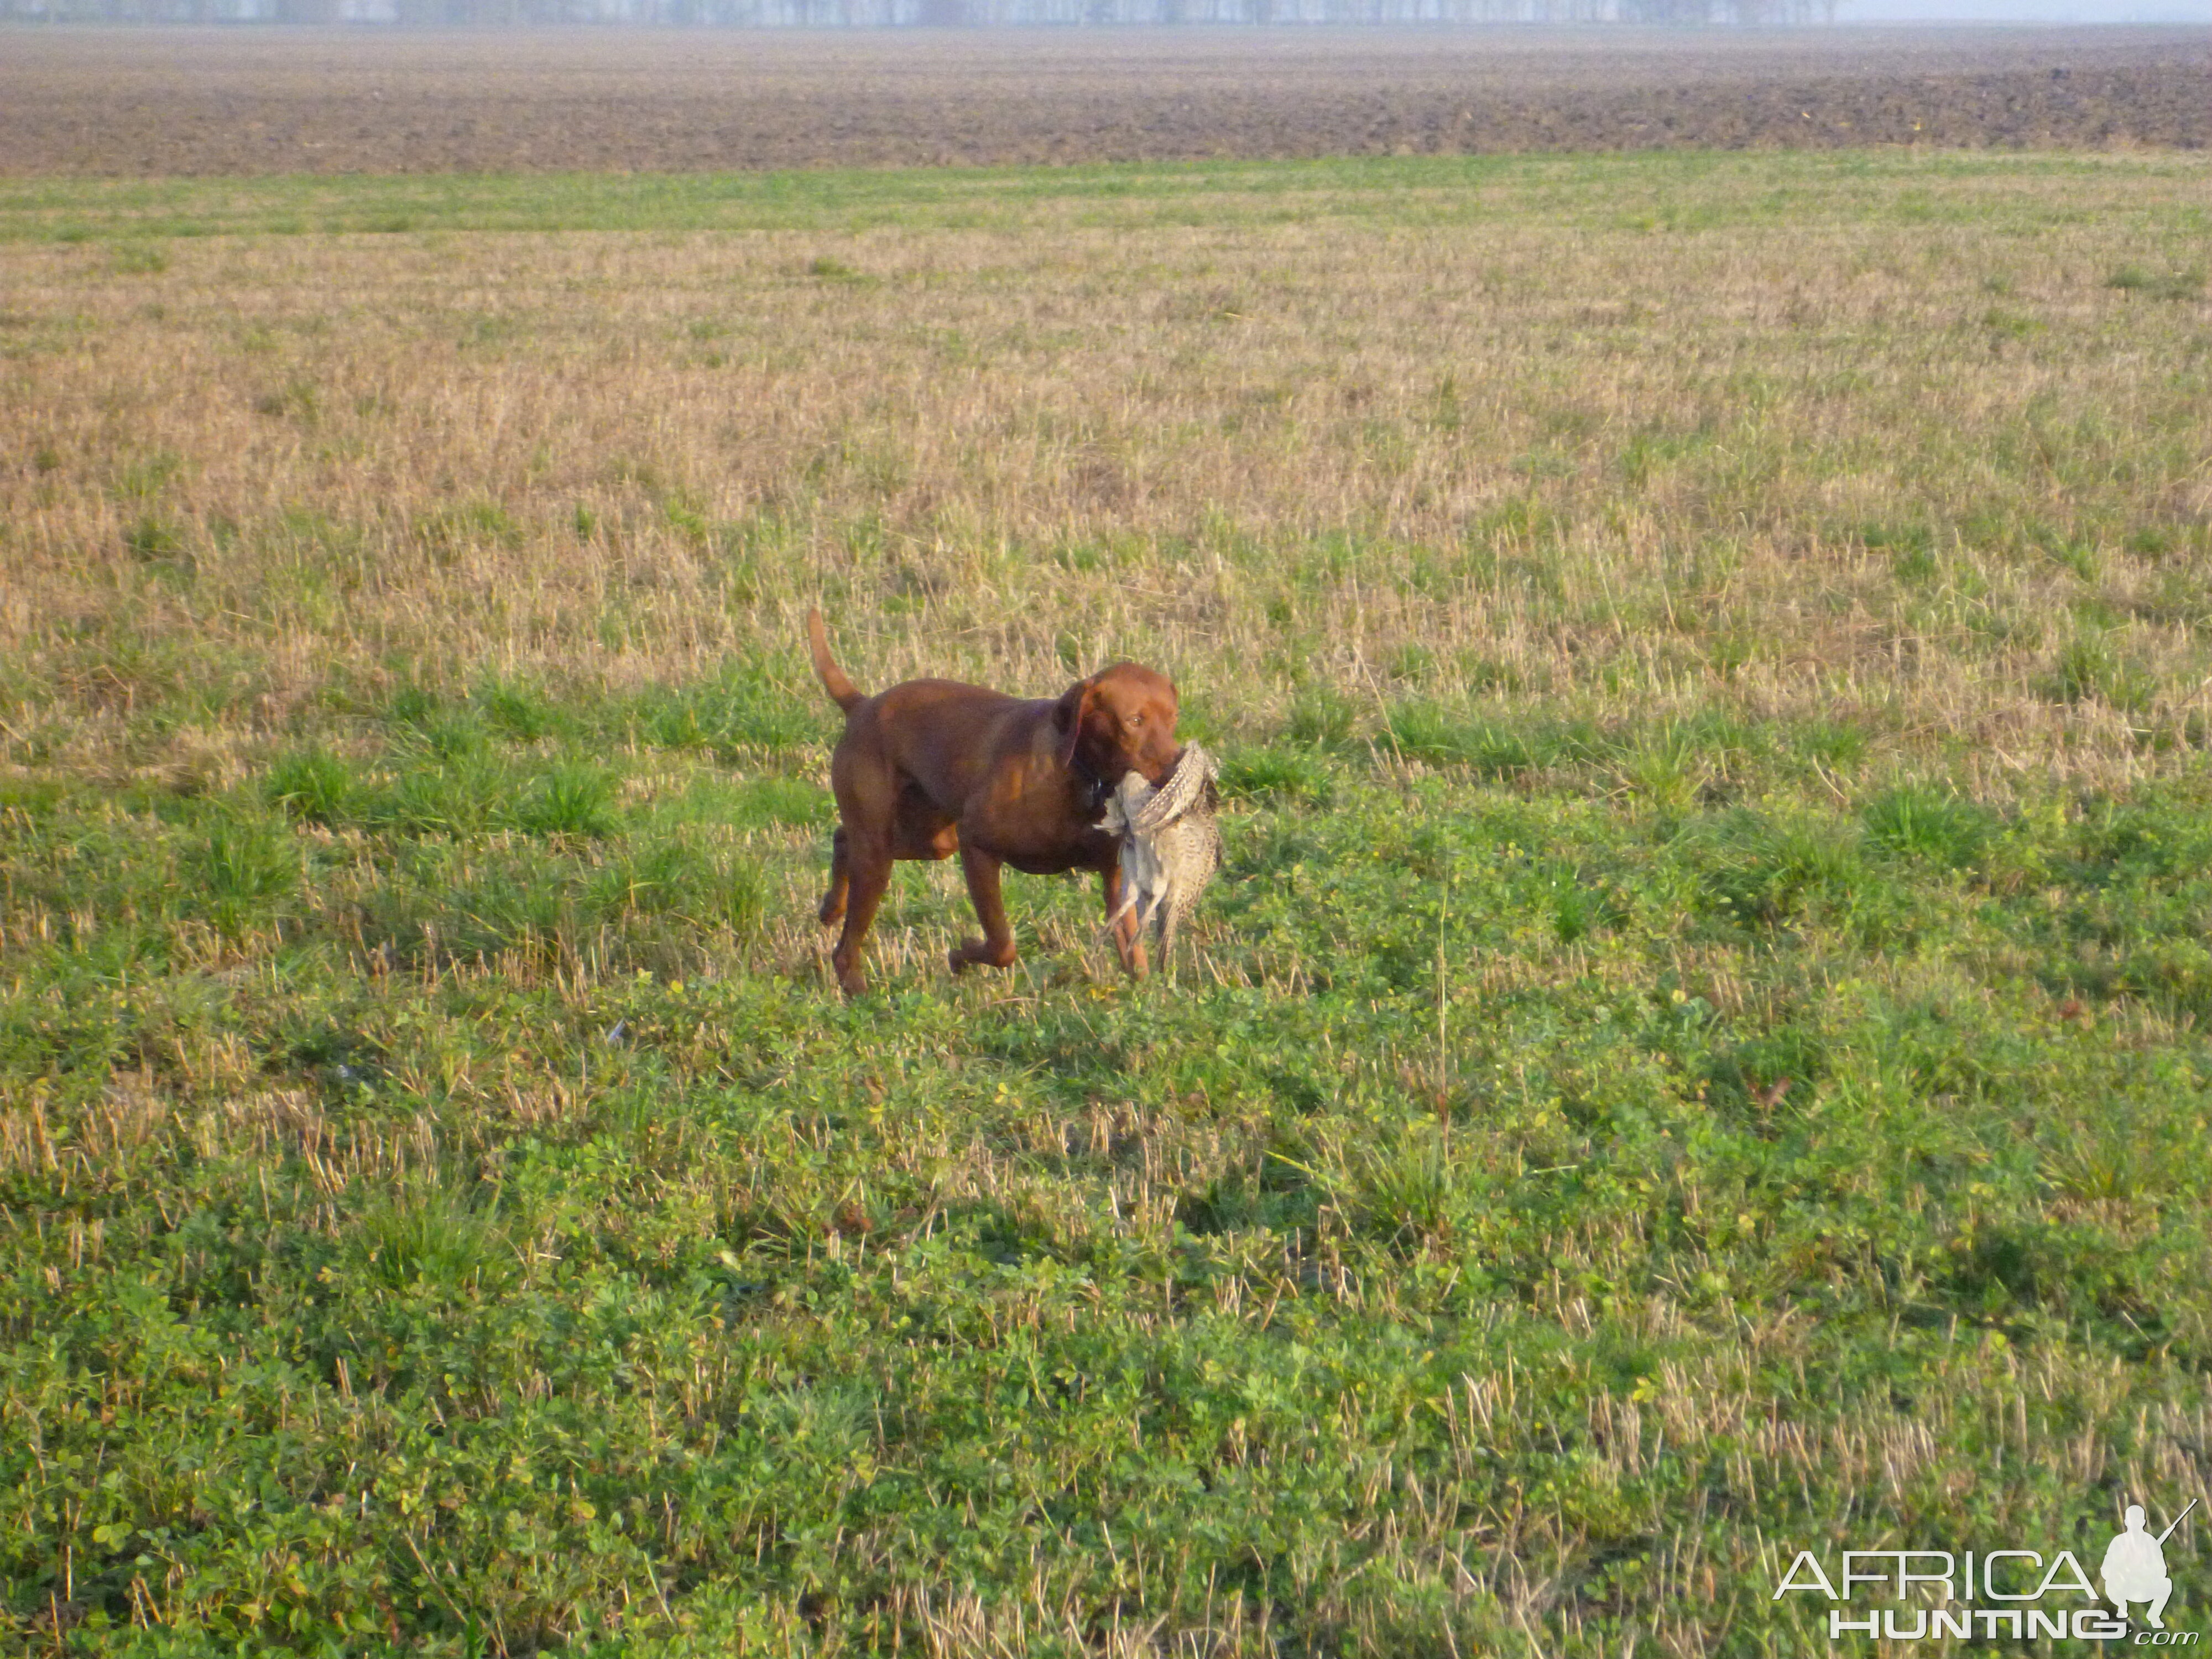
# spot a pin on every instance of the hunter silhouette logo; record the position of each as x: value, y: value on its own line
x: 1999, y: 1594
x: 2134, y: 1567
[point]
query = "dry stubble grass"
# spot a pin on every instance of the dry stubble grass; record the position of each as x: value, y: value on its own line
x: 1884, y: 443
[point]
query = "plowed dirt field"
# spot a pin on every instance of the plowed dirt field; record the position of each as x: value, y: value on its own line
x: 123, y: 103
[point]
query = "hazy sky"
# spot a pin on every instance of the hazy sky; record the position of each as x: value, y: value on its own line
x: 2037, y: 11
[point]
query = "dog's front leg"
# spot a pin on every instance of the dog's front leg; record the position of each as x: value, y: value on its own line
x: 996, y: 948
x: 1128, y: 932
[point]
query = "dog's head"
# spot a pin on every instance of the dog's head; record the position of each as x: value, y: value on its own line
x: 1121, y: 719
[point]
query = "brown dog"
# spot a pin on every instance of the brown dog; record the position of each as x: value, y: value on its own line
x: 932, y: 767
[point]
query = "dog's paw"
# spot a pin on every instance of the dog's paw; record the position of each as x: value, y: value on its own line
x: 979, y: 953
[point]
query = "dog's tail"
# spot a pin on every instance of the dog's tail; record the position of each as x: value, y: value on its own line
x: 842, y: 691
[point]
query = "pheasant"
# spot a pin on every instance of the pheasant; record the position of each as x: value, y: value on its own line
x: 1171, y: 844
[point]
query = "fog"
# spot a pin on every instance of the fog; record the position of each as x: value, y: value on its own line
x: 2026, y: 11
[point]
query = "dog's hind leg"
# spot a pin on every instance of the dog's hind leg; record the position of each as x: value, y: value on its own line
x: 868, y: 864
x: 841, y: 879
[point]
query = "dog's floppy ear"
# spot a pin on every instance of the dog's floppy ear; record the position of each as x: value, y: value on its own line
x: 1068, y: 719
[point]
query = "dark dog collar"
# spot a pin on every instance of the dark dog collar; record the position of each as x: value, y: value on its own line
x: 1095, y: 790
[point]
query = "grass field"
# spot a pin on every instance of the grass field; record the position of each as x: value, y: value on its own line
x: 1698, y: 1051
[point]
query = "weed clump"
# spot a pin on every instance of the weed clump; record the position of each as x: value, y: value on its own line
x: 1759, y: 871
x: 2186, y: 283
x: 1442, y: 737
x: 568, y: 799
x: 242, y: 864
x: 2091, y: 668
x: 1916, y: 821
x: 311, y: 785
x: 675, y: 878
x: 424, y: 1235
x: 449, y: 531
x: 154, y: 540
x: 1280, y: 776
x: 741, y: 707
x: 138, y: 259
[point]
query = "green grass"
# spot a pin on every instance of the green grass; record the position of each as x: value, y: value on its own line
x: 1654, y: 192
x: 1522, y: 1150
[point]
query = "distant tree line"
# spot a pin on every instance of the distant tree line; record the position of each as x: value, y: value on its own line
x: 892, y: 14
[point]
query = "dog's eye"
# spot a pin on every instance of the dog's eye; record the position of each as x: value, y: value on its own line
x: 1136, y: 722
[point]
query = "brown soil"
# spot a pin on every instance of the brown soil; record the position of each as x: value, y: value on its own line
x: 210, y: 102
